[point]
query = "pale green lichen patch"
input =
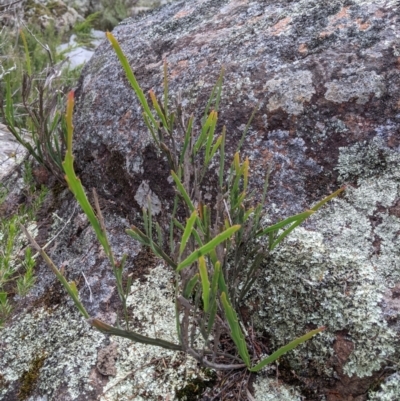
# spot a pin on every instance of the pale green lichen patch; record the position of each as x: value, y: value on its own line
x: 144, y: 194
x: 359, y: 84
x: 66, y: 340
x: 390, y: 390
x: 268, y: 389
x: 290, y: 91
x: 146, y: 372
x: 337, y: 273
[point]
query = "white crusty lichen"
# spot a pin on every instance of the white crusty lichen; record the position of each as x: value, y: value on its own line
x: 290, y: 91
x: 65, y: 341
x: 146, y: 372
x: 69, y: 347
x: 144, y: 194
x: 357, y: 84
x: 390, y: 390
x: 269, y: 389
x: 335, y: 272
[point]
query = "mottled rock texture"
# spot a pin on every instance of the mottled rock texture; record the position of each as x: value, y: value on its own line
x: 11, y: 152
x: 324, y: 74
x: 326, y: 78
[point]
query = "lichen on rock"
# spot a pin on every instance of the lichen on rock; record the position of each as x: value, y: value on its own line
x: 390, y: 389
x: 271, y: 389
x: 146, y: 372
x: 336, y: 273
x: 325, y: 77
x: 66, y: 340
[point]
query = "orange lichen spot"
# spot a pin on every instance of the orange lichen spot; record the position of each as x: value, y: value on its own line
x: 379, y: 14
x: 254, y: 20
x: 334, y: 24
x: 154, y: 66
x: 177, y: 70
x: 356, y: 124
x: 303, y: 48
x: 125, y: 118
x: 281, y: 26
x: 266, y: 157
x: 182, y: 14
x: 324, y: 34
x: 362, y: 26
x: 343, y: 13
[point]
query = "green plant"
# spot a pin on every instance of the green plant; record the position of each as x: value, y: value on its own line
x: 33, y: 83
x: 8, y: 236
x: 113, y: 12
x: 29, y: 49
x: 216, y: 252
x: 16, y: 275
x: 11, y: 269
x: 27, y: 280
x: 5, y: 308
x: 86, y: 25
x: 83, y: 30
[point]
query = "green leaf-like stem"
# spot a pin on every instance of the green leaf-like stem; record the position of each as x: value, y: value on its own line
x: 207, y: 248
x: 286, y: 348
x: 236, y: 331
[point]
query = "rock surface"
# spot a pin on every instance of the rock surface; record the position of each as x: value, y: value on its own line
x: 11, y: 152
x: 326, y: 77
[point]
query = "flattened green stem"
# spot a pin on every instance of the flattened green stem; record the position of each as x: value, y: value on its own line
x: 205, y: 283
x: 74, y: 182
x: 207, y: 131
x: 186, y: 142
x: 157, y: 108
x: 328, y: 198
x: 187, y: 232
x: 105, y: 328
x: 210, y: 139
x: 299, y: 221
x: 298, y: 217
x: 138, y: 235
x: 71, y: 288
x: 222, y: 159
x: 213, y: 297
x: 27, y: 57
x: 131, y: 77
x: 236, y: 331
x: 165, y: 69
x: 182, y: 191
x: 215, y: 94
x: 190, y: 286
x: 286, y: 348
x: 207, y: 248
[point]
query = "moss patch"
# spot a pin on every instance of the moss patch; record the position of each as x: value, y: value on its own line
x: 196, y: 386
x: 3, y: 382
x: 70, y: 346
x: 30, y: 377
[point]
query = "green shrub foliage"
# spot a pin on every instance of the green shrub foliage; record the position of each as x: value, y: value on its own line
x: 216, y: 249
